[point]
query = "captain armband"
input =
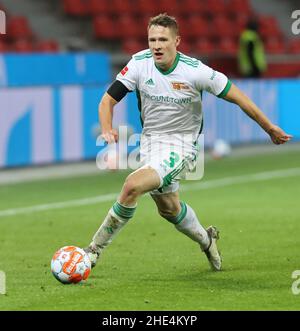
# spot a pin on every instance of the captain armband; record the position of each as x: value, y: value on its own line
x: 117, y: 90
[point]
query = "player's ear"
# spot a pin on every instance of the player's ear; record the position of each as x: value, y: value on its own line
x: 177, y: 41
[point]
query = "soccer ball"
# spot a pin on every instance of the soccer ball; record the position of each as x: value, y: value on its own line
x: 220, y: 149
x: 70, y: 264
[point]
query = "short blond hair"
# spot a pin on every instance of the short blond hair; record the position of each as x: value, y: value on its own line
x: 166, y: 21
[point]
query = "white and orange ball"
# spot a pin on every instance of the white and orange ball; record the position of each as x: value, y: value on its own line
x: 70, y: 264
x: 220, y: 149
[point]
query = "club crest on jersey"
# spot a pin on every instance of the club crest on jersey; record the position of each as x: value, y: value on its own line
x: 124, y: 70
x: 179, y: 86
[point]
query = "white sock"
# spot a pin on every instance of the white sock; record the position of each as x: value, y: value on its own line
x: 116, y: 218
x: 190, y: 226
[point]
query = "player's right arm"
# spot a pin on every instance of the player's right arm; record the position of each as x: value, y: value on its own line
x: 105, y: 111
x: 124, y: 83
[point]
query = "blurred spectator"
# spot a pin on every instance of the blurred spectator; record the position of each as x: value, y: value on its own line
x: 251, y: 57
x: 75, y: 44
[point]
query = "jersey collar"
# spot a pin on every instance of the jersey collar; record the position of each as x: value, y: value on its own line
x: 174, y: 65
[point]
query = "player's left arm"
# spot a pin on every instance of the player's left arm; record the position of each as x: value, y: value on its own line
x: 235, y: 95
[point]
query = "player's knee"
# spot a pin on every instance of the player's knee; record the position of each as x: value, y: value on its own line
x: 131, y: 189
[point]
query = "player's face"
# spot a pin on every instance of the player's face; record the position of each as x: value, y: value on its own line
x: 163, y: 43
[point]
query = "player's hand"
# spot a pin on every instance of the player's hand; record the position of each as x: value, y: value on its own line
x: 110, y: 136
x: 278, y: 136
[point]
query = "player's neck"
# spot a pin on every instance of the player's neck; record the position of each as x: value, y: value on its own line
x: 170, y: 65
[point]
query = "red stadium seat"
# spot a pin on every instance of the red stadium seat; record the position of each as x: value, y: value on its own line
x: 275, y: 46
x: 18, y: 28
x: 283, y: 70
x: 97, y: 7
x: 222, y: 26
x: 239, y: 7
x: 185, y: 47
x: 128, y: 27
x: 104, y: 28
x: 195, y: 27
x: 3, y: 47
x: 76, y: 7
x: 132, y: 46
x: 146, y: 7
x: 168, y: 6
x: 47, y: 46
x: 240, y: 22
x: 225, y: 64
x: 271, y: 31
x: 216, y: 7
x: 121, y: 7
x: 228, y: 46
x: 204, y: 47
x: 144, y: 20
x: 268, y: 27
x: 23, y: 46
x: 189, y: 7
x: 294, y: 46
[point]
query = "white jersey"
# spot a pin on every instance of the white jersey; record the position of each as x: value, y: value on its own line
x: 170, y: 101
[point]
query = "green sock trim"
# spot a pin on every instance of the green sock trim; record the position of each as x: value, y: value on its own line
x: 177, y: 219
x: 122, y: 211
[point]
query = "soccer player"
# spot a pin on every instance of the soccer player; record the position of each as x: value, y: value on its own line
x: 169, y: 86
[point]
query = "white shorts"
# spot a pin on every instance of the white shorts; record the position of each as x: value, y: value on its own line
x: 170, y: 157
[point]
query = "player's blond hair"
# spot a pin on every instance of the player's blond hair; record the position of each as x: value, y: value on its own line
x: 166, y: 21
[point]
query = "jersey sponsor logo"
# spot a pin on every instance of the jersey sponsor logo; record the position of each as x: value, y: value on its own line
x: 150, y: 82
x: 166, y: 99
x: 124, y: 71
x: 179, y: 86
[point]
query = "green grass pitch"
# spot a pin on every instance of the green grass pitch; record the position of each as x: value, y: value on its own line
x: 151, y: 266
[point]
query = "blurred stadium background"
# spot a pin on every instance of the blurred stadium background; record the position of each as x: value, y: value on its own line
x: 56, y: 60
x: 58, y: 57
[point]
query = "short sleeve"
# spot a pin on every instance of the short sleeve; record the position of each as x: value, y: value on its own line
x: 128, y: 75
x: 212, y: 81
